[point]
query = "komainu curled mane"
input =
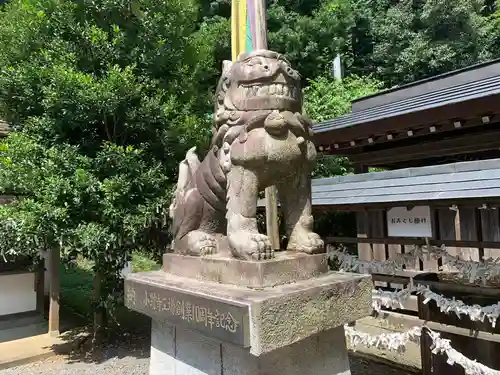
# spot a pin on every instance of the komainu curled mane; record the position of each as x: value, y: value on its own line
x: 260, y: 139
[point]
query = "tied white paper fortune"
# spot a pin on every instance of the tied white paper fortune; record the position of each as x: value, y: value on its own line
x: 386, y: 341
x: 398, y: 341
x: 395, y: 300
x: 484, y: 270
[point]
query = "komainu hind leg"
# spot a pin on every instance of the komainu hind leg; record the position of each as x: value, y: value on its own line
x: 201, y: 243
x: 295, y: 199
x: 193, y: 233
x: 244, y: 238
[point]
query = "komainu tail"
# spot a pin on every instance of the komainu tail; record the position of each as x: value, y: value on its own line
x: 187, y: 169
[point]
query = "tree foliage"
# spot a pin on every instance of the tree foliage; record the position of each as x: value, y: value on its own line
x: 107, y: 95
x: 327, y: 98
x: 411, y: 40
x: 397, y: 41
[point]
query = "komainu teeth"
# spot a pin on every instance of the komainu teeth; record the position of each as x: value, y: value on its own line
x: 273, y: 89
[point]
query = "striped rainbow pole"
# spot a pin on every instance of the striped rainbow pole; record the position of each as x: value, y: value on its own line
x: 249, y: 32
x: 249, y: 28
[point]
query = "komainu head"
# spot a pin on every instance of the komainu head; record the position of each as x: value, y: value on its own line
x: 259, y: 80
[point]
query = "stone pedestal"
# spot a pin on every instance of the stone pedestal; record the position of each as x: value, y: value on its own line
x: 175, y: 350
x: 289, y: 321
x: 285, y: 268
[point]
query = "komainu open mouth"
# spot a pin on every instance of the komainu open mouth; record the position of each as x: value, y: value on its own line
x: 274, y: 89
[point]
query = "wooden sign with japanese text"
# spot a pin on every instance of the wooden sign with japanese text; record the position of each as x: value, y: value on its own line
x: 405, y: 222
x: 224, y: 320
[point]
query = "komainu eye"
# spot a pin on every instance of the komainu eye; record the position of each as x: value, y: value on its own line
x: 254, y: 61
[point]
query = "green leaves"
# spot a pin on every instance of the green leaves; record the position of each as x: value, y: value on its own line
x: 311, y: 40
x: 327, y: 98
x: 414, y: 40
x: 106, y: 98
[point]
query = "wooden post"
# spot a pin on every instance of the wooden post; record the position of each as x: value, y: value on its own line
x: 271, y: 192
x: 249, y: 31
x: 55, y: 287
x: 40, y: 286
x: 99, y: 313
x: 272, y: 226
x: 362, y: 222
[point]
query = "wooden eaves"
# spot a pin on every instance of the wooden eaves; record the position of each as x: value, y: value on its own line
x: 474, y: 183
x: 452, y: 114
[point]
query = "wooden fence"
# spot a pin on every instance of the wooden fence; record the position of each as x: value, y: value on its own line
x: 470, y: 233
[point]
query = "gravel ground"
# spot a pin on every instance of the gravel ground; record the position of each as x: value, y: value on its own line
x: 139, y: 366
x: 132, y: 358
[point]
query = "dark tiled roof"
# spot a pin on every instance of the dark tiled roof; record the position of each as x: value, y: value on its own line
x: 465, y: 180
x: 433, y: 99
x: 451, y: 88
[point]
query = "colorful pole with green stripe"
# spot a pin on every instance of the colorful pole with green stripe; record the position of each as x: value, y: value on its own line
x: 249, y: 32
x: 249, y: 27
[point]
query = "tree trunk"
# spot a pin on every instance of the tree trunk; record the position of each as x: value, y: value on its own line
x: 100, y: 312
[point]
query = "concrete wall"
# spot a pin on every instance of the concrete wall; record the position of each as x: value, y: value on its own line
x: 17, y: 293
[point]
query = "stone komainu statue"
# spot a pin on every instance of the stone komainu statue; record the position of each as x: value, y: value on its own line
x: 260, y: 139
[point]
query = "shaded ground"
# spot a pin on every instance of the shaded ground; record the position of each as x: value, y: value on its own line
x: 129, y: 355
x: 127, y: 350
x: 361, y: 366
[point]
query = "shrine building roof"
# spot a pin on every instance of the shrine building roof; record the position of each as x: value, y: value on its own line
x: 475, y: 180
x: 463, y: 98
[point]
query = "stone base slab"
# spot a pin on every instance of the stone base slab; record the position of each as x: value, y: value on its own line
x: 285, y: 268
x: 261, y: 320
x: 178, y: 351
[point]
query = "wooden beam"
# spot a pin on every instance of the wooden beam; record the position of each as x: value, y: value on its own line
x: 449, y: 127
x: 445, y: 203
x: 250, y: 15
x: 272, y: 217
x: 362, y: 223
x: 453, y: 146
x: 408, y: 321
x: 412, y: 241
x: 40, y: 286
x: 271, y: 192
x: 55, y: 287
x: 399, y: 277
x: 469, y: 110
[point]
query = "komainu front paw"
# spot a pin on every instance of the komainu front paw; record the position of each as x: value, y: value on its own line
x: 201, y: 243
x: 306, y: 242
x: 250, y: 246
